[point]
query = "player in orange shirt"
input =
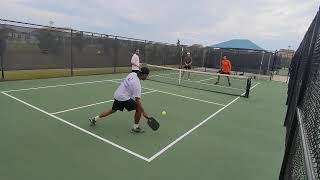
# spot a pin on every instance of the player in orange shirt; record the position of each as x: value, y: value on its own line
x: 225, y: 68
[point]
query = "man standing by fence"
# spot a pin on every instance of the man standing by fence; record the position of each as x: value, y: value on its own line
x: 135, y: 61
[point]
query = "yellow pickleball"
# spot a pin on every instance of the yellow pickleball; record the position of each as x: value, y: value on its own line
x: 164, y: 113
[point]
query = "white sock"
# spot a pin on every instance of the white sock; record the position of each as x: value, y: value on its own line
x: 135, y: 126
x: 96, y: 118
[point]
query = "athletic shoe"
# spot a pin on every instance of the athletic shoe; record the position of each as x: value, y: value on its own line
x: 92, y: 120
x: 137, y: 130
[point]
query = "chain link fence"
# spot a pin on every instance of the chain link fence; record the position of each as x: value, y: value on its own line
x: 302, y: 153
x: 34, y: 51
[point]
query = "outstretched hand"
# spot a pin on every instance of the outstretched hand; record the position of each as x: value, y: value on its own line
x: 145, y: 115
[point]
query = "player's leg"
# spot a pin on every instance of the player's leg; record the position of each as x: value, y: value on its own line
x: 117, y: 105
x: 229, y: 80
x: 218, y: 80
x: 93, y: 120
x: 107, y: 113
x: 189, y: 68
x: 131, y: 105
x: 137, y: 117
x: 183, y: 72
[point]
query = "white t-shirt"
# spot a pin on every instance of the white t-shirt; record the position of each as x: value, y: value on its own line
x: 130, y: 88
x: 135, y: 60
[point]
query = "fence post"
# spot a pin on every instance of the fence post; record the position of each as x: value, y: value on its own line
x: 2, y: 71
x: 261, y: 62
x: 145, y: 52
x: 115, y: 54
x: 203, y: 58
x: 2, y: 49
x: 268, y: 70
x: 71, y: 53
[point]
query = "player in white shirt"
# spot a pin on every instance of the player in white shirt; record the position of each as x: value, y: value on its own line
x: 128, y: 96
x: 135, y: 61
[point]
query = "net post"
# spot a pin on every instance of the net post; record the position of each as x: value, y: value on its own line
x: 248, y: 88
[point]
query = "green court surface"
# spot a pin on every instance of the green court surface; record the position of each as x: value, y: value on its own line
x: 45, y: 132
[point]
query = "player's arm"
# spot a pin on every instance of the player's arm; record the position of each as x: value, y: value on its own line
x: 230, y: 66
x: 139, y: 105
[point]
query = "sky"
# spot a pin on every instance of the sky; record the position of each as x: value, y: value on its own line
x: 272, y: 24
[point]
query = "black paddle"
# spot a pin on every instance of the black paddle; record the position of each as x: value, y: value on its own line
x: 153, y: 123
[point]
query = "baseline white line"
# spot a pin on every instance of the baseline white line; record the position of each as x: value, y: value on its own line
x: 164, y: 92
x: 79, y: 128
x: 60, y: 85
x: 89, y: 105
x: 194, y: 128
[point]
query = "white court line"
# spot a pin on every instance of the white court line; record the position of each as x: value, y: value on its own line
x: 60, y: 85
x: 89, y: 105
x: 164, y: 92
x: 59, y: 112
x: 79, y: 128
x: 194, y: 128
x: 116, y: 145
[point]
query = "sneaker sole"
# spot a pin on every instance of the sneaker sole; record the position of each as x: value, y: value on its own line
x: 134, y: 132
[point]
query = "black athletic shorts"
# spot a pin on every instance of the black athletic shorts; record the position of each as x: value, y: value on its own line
x: 221, y: 72
x: 187, y: 67
x: 130, y: 105
x: 136, y: 71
